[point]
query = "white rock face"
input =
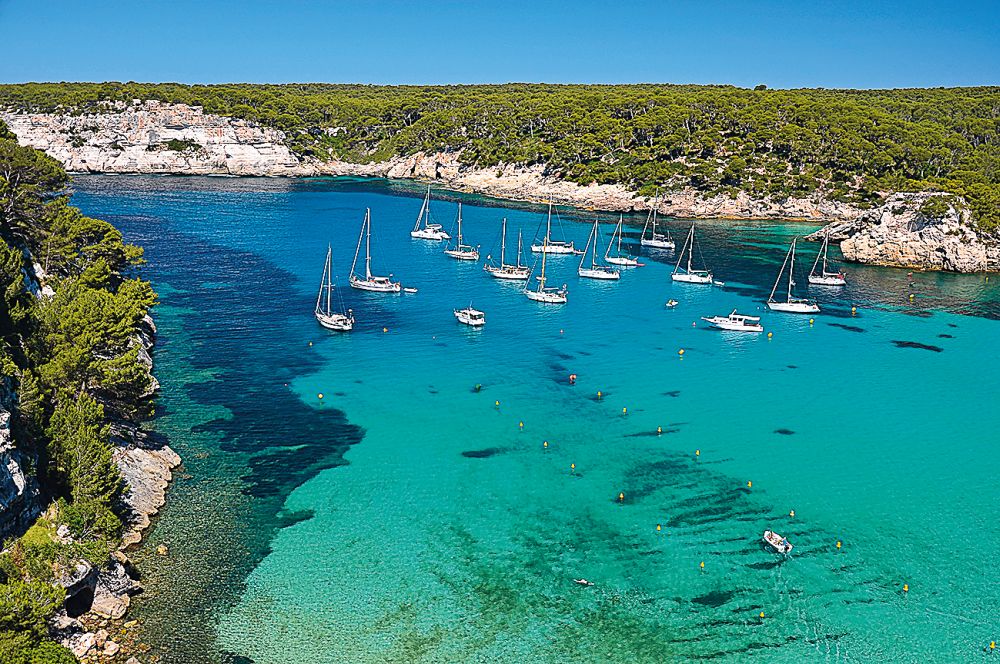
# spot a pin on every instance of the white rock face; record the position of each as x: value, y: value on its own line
x: 899, y: 234
x: 135, y: 139
x: 19, y: 498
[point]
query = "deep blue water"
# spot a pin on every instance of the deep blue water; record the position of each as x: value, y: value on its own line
x: 407, y: 516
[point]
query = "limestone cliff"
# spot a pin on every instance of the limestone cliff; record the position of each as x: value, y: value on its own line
x: 908, y: 232
x: 20, y: 502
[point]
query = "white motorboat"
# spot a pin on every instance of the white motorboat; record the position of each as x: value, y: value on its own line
x: 550, y: 246
x: 687, y: 274
x: 327, y: 317
x: 370, y: 282
x: 824, y: 277
x: 654, y: 239
x: 462, y: 252
x: 595, y: 271
x: 735, y: 322
x: 776, y: 542
x: 504, y: 270
x: 619, y: 258
x: 790, y: 304
x: 424, y: 229
x: 471, y: 317
x: 548, y: 295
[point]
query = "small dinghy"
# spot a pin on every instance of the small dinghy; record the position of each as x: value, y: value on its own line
x: 776, y: 542
x: 672, y: 303
x: 409, y: 290
x: 735, y: 322
x: 583, y: 582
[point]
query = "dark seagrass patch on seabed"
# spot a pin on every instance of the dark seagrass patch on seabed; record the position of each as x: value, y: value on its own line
x: 672, y: 393
x: 945, y: 336
x: 484, y: 453
x: 785, y: 432
x: 914, y: 344
x: 849, y: 328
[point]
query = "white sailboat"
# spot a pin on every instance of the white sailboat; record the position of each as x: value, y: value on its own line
x: 619, y: 258
x: 689, y: 275
x: 462, y: 252
x: 471, y: 317
x: 550, y: 295
x: 517, y: 271
x: 595, y: 271
x: 550, y: 246
x: 327, y: 317
x: 825, y: 277
x: 790, y: 304
x: 370, y: 282
x: 654, y: 239
x: 424, y: 229
x: 735, y: 322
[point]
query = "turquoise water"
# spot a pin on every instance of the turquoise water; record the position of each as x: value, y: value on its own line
x: 408, y: 517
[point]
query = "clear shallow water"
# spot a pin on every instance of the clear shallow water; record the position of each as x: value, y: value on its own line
x: 355, y: 529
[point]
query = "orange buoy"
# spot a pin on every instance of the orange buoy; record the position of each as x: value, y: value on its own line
x: 572, y: 378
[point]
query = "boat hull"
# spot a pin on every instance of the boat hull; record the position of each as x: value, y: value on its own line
x: 338, y: 322
x: 549, y: 248
x: 827, y: 280
x: 692, y: 278
x: 429, y: 234
x: 658, y: 244
x: 605, y: 275
x: 546, y: 297
x: 465, y: 318
x: 376, y: 286
x: 729, y: 326
x: 794, y: 307
x: 620, y: 260
x: 462, y: 255
x: 509, y: 273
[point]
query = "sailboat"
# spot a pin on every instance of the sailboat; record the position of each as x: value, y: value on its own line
x: 550, y: 246
x: 327, y: 317
x: 462, y: 252
x: 825, y: 277
x: 595, y: 271
x: 370, y: 282
x: 504, y: 271
x: 689, y: 275
x: 424, y: 229
x: 790, y: 304
x: 655, y: 240
x: 619, y: 258
x: 549, y: 295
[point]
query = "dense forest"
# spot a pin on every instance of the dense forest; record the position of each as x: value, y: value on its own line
x: 849, y: 145
x: 69, y: 363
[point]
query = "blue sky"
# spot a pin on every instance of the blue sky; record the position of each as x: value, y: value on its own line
x: 782, y: 44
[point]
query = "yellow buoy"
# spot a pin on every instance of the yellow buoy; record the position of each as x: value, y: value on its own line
x: 749, y: 484
x: 310, y: 343
x: 791, y: 513
x: 812, y: 320
x: 680, y: 352
x: 770, y: 335
x: 702, y: 564
x: 572, y: 466
x: 659, y: 527
x: 624, y: 411
x: 496, y: 403
x: 854, y: 310
x: 906, y: 587
x: 659, y: 430
x: 621, y: 497
x: 993, y: 644
x: 697, y: 453
x: 911, y: 296
x: 598, y: 394
x: 838, y: 544
x: 761, y: 614
x: 545, y: 444
x: 320, y: 395
x: 384, y: 330
x: 520, y: 425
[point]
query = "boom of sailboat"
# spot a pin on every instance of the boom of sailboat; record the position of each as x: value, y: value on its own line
x: 331, y: 313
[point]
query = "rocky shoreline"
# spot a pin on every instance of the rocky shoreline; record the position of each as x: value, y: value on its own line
x: 150, y: 137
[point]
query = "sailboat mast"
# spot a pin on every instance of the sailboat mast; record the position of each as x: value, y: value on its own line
x: 621, y: 218
x: 818, y: 256
x: 459, y: 247
x: 519, y: 248
x: 368, y: 243
x: 791, y: 271
x: 778, y: 280
x: 541, y: 279
x: 680, y: 258
x: 329, y: 276
x: 826, y: 250
x: 548, y: 227
x: 593, y: 250
x: 691, y: 249
x: 503, y: 242
x: 322, y: 281
x: 357, y: 251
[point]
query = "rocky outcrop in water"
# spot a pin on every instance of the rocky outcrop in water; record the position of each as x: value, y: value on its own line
x: 918, y: 230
